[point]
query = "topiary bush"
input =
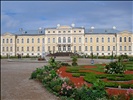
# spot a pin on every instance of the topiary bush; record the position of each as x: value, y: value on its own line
x: 74, y: 61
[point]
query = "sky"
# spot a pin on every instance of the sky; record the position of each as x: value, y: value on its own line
x: 31, y: 15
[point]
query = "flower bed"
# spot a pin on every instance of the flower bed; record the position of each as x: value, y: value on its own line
x: 80, y: 83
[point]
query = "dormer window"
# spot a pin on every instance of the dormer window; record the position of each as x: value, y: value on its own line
x: 68, y: 31
x: 79, y: 31
x: 53, y: 31
x: 74, y: 31
x: 59, y: 32
x: 48, y: 31
x: 64, y: 31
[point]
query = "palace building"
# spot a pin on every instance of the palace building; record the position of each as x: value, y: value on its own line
x: 67, y: 39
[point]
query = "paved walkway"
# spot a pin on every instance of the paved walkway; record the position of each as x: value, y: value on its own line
x: 15, y: 83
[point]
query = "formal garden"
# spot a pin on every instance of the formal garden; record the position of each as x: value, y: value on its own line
x: 113, y: 81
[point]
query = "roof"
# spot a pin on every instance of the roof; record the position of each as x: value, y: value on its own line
x: 100, y: 31
x: 30, y: 32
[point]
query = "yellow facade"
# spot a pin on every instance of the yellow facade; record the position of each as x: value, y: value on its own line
x: 67, y: 39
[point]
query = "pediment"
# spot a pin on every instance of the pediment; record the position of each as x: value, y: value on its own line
x: 8, y: 34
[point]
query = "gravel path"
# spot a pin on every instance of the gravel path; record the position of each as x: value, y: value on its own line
x: 15, y: 83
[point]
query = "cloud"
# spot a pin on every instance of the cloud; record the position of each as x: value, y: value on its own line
x: 35, y: 14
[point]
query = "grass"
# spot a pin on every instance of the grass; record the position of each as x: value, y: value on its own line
x: 92, y: 77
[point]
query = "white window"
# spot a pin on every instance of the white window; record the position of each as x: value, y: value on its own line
x: 32, y: 48
x: 120, y: 48
x: 22, y: 49
x: 53, y: 31
x: 48, y: 48
x: 113, y: 48
x: 97, y: 40
x: 64, y: 48
x: 27, y: 48
x: 69, y: 48
x: 6, y: 40
x: 102, y: 39
x: 38, y: 40
x: 68, y: 31
x: 3, y: 40
x: 59, y: 48
x: 69, y: 40
x: 10, y: 48
x: 79, y: 40
x: 32, y: 40
x: 48, y: 40
x: 79, y: 48
x: 43, y: 40
x: 22, y: 40
x: 59, y: 31
x: 129, y: 48
x: 125, y: 48
x: 74, y: 40
x: 38, y: 49
x: 48, y: 31
x: 97, y: 48
x: 86, y: 40
x: 108, y: 39
x: 74, y: 48
x: 91, y: 48
x: 129, y: 39
x: 91, y: 40
x: 120, y: 39
x: 10, y: 40
x: 64, y: 31
x: 64, y: 40
x: 53, y: 40
x: 113, y: 39
x: 3, y: 49
x: 108, y: 48
x: 86, y: 48
x: 59, y: 40
x: 124, y: 39
x: 17, y: 40
x: 27, y: 40
x: 102, y: 48
x: 53, y: 48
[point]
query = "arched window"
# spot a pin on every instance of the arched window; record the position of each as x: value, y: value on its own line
x: 108, y: 39
x: 79, y: 40
x: 91, y: 40
x: 38, y: 40
x: 32, y: 40
x: 64, y: 40
x: 74, y: 40
x: 43, y: 40
x: 28, y: 40
x: 17, y: 40
x: 59, y: 40
x: 10, y: 40
x: 22, y: 40
x: 129, y: 39
x: 102, y: 39
x: 6, y: 40
x: 113, y: 39
x: 85, y: 40
x: 124, y: 39
x: 3, y: 40
x: 69, y: 40
x: 120, y: 39
x: 97, y: 39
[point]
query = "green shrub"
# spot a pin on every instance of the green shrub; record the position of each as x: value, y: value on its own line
x: 74, y: 61
x: 65, y: 64
x: 76, y: 74
x: 115, y: 68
